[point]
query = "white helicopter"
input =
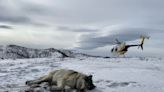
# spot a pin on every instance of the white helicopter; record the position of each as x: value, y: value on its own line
x: 121, y: 48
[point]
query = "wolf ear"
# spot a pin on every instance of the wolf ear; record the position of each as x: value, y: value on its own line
x: 90, y: 76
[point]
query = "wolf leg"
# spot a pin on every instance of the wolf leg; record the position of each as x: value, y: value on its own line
x: 59, y: 87
x: 46, y: 78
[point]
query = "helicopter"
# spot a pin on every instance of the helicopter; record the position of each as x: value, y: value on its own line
x: 121, y: 48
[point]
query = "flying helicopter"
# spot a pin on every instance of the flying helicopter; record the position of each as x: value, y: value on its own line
x: 121, y: 48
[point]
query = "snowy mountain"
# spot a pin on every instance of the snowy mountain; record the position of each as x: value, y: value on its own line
x: 19, y: 52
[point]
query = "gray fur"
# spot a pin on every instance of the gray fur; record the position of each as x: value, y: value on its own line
x: 60, y: 79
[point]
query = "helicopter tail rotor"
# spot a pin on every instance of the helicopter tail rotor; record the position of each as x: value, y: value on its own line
x: 142, y: 40
x: 141, y: 46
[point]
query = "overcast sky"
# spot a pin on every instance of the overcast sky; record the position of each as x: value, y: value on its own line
x: 90, y: 26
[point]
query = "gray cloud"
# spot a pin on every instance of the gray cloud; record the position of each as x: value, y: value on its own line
x: 11, y: 14
x: 65, y: 28
x: 93, y: 12
x: 14, y: 19
x: 5, y: 27
x: 33, y: 8
x: 107, y: 37
x: 18, y: 12
x: 82, y: 11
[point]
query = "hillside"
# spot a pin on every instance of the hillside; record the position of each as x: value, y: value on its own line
x: 19, y: 52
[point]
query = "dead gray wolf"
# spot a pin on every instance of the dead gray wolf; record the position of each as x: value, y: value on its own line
x: 59, y: 79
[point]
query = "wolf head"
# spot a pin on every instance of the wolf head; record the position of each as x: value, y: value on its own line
x: 89, y: 83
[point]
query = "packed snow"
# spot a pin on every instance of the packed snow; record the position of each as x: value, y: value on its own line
x: 109, y: 74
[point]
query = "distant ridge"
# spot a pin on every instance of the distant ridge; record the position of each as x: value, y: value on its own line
x: 15, y: 51
x: 20, y: 52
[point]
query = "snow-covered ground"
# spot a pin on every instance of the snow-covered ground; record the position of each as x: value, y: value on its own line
x: 109, y: 75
